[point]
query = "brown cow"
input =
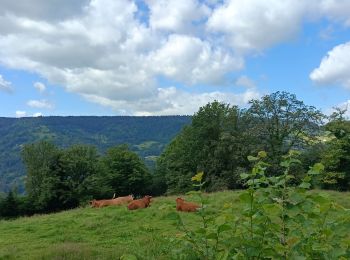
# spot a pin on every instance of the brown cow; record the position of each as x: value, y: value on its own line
x: 95, y: 203
x: 181, y: 205
x: 140, y: 203
x: 111, y: 202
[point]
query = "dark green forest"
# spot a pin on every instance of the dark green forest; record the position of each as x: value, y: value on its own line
x: 147, y: 136
x: 218, y: 140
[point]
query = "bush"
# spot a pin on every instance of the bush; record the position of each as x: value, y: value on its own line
x: 275, y: 220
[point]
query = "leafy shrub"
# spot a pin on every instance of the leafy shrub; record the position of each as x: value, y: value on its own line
x: 276, y: 220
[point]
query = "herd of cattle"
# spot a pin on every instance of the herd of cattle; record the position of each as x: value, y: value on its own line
x: 181, y: 204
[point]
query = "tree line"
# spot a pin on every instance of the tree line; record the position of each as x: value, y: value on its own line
x: 59, y: 179
x: 221, y: 137
x: 218, y: 142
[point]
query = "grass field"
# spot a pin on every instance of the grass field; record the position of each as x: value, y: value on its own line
x: 106, y: 233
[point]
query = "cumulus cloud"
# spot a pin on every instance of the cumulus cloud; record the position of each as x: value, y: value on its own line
x: 254, y: 24
x: 191, y: 60
x: 106, y: 52
x: 43, y: 9
x: 20, y: 113
x: 172, y: 101
x: 5, y: 85
x: 335, y: 67
x: 176, y: 15
x: 40, y: 104
x: 40, y: 86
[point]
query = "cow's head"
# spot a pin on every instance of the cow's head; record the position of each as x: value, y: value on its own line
x: 147, y: 198
x: 179, y: 200
x: 93, y: 203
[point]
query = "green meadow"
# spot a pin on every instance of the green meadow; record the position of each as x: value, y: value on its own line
x: 109, y: 233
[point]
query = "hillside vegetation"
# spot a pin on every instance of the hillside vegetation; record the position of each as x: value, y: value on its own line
x: 109, y: 233
x: 147, y: 136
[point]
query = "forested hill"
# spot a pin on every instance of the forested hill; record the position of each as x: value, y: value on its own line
x: 145, y: 135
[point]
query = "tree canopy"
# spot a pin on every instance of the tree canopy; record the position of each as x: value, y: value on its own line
x: 222, y: 136
x: 216, y: 142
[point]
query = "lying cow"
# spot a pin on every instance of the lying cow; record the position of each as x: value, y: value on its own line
x: 111, y: 202
x: 140, y: 203
x: 182, y: 205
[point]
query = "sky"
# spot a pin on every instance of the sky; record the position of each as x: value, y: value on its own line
x: 169, y: 57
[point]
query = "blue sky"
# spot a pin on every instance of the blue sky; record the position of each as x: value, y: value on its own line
x: 161, y: 57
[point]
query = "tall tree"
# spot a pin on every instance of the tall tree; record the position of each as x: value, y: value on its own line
x: 216, y: 142
x: 9, y: 206
x: 41, y: 162
x: 336, y: 156
x: 60, y: 178
x: 78, y: 165
x: 282, y: 122
x: 124, y: 172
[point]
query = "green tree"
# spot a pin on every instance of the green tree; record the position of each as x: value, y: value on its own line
x: 60, y: 178
x: 124, y: 172
x: 78, y: 167
x: 216, y: 141
x: 42, y: 181
x: 9, y: 206
x: 336, y: 156
x: 282, y: 122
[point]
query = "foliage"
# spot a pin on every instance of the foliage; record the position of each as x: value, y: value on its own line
x: 66, y: 178
x: 222, y: 136
x: 43, y: 176
x: 276, y: 220
x: 336, y: 156
x: 216, y: 141
x: 124, y: 172
x: 9, y: 206
x: 282, y: 122
x: 77, y: 167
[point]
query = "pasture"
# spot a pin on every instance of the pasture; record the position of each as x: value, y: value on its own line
x: 110, y: 232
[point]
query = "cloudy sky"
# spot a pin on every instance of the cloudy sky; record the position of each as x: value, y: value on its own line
x: 164, y: 57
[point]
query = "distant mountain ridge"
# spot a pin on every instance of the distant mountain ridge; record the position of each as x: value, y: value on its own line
x: 145, y: 135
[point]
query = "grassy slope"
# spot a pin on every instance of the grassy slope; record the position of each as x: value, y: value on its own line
x: 105, y: 233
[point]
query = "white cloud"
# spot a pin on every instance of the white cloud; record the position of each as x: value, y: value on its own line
x: 5, y: 85
x: 176, y: 15
x: 170, y: 101
x: 245, y: 81
x: 43, y: 9
x: 343, y: 106
x: 335, y: 67
x: 40, y: 86
x: 191, y: 60
x: 40, y: 104
x: 338, y: 10
x: 255, y: 24
x: 104, y: 51
x: 37, y: 114
x: 20, y: 113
